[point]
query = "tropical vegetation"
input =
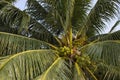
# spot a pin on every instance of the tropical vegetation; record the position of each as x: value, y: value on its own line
x: 59, y: 40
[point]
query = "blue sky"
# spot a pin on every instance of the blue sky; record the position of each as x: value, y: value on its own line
x: 21, y: 4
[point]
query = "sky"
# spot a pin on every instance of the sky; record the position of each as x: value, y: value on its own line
x: 21, y: 5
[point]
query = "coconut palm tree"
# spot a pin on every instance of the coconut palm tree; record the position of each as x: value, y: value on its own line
x: 59, y: 40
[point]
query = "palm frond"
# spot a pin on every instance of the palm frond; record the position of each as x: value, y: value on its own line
x: 38, y: 31
x: 13, y: 16
x: 79, y: 14
x: 104, y: 10
x: 36, y: 10
x: 105, y: 51
x: 3, y: 27
x: 41, y: 12
x: 23, y: 24
x: 62, y: 11
x: 10, y: 1
x: 114, y: 26
x: 59, y: 70
x: 3, y: 59
x: 11, y: 43
x: 104, y: 37
x: 78, y: 73
x: 107, y: 72
x: 27, y: 65
x: 72, y: 9
x: 112, y: 73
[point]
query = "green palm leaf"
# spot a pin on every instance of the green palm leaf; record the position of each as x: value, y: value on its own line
x: 106, y: 54
x: 23, y: 24
x: 107, y: 72
x: 71, y: 23
x: 38, y: 31
x: 13, y: 16
x: 41, y: 12
x: 3, y: 59
x: 36, y: 10
x: 70, y: 13
x: 78, y: 73
x: 112, y: 73
x: 4, y: 28
x: 27, y: 65
x: 104, y: 10
x: 104, y: 37
x: 59, y: 70
x: 106, y: 51
x: 114, y: 26
x: 11, y: 43
x: 11, y: 1
x: 79, y: 14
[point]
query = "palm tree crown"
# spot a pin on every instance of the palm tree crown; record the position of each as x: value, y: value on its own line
x: 59, y: 40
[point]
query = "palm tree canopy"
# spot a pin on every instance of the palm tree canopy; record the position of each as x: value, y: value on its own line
x: 59, y: 40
